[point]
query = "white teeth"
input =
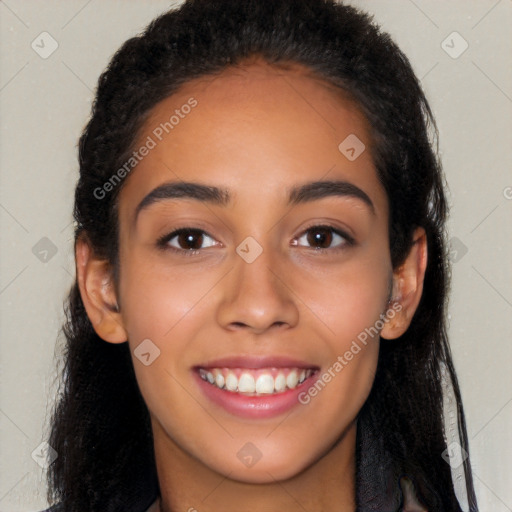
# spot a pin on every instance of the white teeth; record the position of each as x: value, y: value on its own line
x: 280, y: 382
x: 254, y: 381
x: 246, y: 383
x: 219, y: 379
x: 265, y: 384
x: 231, y: 382
x: 292, y: 380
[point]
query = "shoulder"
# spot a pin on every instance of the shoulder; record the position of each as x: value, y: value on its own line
x: 59, y: 507
x: 56, y: 508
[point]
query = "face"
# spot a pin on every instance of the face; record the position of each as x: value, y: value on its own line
x: 255, y: 282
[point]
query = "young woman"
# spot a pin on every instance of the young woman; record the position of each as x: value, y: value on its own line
x: 258, y: 321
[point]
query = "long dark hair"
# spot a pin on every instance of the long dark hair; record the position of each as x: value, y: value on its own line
x: 100, y: 426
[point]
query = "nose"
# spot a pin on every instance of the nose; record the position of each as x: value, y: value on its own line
x: 258, y: 297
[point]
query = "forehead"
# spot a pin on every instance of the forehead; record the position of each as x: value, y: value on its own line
x: 249, y: 126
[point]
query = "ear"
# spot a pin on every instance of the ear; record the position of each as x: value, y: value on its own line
x: 97, y: 290
x: 407, y: 287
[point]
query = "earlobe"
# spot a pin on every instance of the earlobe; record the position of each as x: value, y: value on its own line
x: 407, y: 288
x: 98, y: 294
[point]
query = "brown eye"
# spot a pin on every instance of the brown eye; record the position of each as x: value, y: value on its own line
x: 322, y: 237
x: 189, y: 239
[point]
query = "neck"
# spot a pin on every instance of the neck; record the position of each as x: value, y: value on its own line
x: 327, y: 485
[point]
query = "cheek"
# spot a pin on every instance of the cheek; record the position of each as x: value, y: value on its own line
x: 349, y: 306
x: 168, y: 309
x: 156, y: 300
x: 347, y: 300
x: 343, y: 307
x: 351, y: 313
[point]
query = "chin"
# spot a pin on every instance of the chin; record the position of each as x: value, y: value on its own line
x: 264, y: 472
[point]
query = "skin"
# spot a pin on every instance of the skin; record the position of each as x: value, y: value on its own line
x: 257, y: 131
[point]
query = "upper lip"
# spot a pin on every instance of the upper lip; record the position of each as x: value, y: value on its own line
x: 257, y: 362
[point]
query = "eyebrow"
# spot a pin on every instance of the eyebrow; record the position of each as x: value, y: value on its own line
x: 321, y: 189
x: 220, y: 196
x: 184, y: 190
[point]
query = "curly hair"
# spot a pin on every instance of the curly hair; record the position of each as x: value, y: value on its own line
x: 100, y: 426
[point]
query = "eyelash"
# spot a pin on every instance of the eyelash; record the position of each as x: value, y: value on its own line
x: 163, y: 242
x: 349, y: 241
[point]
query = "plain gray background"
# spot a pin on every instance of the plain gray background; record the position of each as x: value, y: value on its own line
x: 44, y: 103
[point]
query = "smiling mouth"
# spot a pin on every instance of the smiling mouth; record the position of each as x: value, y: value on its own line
x: 255, y: 382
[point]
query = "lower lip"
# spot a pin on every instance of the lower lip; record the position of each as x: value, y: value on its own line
x: 253, y: 407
